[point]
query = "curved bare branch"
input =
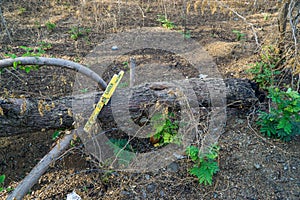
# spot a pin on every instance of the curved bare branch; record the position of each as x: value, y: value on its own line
x: 54, y: 62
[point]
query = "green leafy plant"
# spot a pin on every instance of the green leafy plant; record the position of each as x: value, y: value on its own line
x: 50, y: 26
x: 2, y: 188
x: 270, y: 54
x: 166, y: 23
x: 44, y: 46
x: 205, y: 165
x: 84, y: 90
x: 186, y: 34
x: 266, y: 16
x: 166, y: 128
x: 29, y: 52
x: 239, y: 35
x: 77, y: 32
x: 125, y: 65
x: 122, y: 150
x: 37, y: 24
x: 75, y: 141
x: 263, y: 74
x: 21, y: 10
x: 56, y: 134
x: 282, y: 121
x: 32, y: 52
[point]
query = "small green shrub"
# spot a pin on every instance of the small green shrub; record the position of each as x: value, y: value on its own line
x: 44, y: 46
x: 29, y: 52
x: 77, y: 32
x: 2, y: 188
x: 166, y: 128
x: 263, y: 74
x: 239, y: 35
x: 50, y: 26
x: 205, y: 166
x: 21, y: 10
x: 186, y: 34
x: 165, y: 22
x: 122, y: 150
x: 282, y: 121
x: 56, y: 134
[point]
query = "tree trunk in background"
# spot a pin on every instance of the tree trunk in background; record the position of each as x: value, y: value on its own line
x: 282, y: 21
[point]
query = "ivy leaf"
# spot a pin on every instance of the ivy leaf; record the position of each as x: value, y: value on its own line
x: 13, y: 56
x: 55, y: 135
x: 167, y: 137
x: 205, y: 172
x: 2, y: 179
x: 193, y: 152
x: 285, y: 124
x: 27, y: 69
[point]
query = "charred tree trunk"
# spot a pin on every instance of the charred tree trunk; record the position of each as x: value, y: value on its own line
x: 282, y: 21
x: 27, y: 115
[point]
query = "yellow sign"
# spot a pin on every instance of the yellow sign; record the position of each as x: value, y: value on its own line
x: 111, y: 87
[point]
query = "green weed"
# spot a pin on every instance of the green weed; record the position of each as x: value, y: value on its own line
x: 165, y: 22
x: 21, y: 10
x: 56, y: 134
x: 125, y: 65
x: 186, y: 34
x: 263, y: 74
x: 2, y: 188
x: 239, y: 35
x: 44, y: 46
x: 29, y: 52
x: 205, y: 166
x: 166, y: 128
x: 77, y: 32
x: 122, y: 150
x: 282, y: 121
x: 50, y: 26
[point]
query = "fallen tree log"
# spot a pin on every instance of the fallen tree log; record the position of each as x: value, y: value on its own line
x: 25, y: 115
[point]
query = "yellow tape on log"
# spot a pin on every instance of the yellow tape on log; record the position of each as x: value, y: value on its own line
x: 110, y: 89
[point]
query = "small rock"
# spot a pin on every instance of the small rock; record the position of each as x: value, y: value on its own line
x: 202, y: 76
x: 215, y: 195
x: 147, y: 176
x: 173, y: 167
x: 240, y: 121
x: 125, y: 193
x: 162, y: 193
x: 73, y: 196
x: 178, y: 156
x: 151, y: 187
x: 144, y: 120
x: 114, y: 48
x: 257, y: 166
x: 115, y: 173
x: 285, y: 167
x: 144, y: 194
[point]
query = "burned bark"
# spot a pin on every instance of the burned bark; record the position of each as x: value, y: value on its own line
x: 25, y: 115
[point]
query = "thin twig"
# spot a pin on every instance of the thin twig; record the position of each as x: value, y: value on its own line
x: 54, y: 62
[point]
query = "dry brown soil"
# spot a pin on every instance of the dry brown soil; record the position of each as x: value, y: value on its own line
x: 251, y: 166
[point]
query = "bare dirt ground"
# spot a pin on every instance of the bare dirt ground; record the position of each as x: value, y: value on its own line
x: 251, y: 166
